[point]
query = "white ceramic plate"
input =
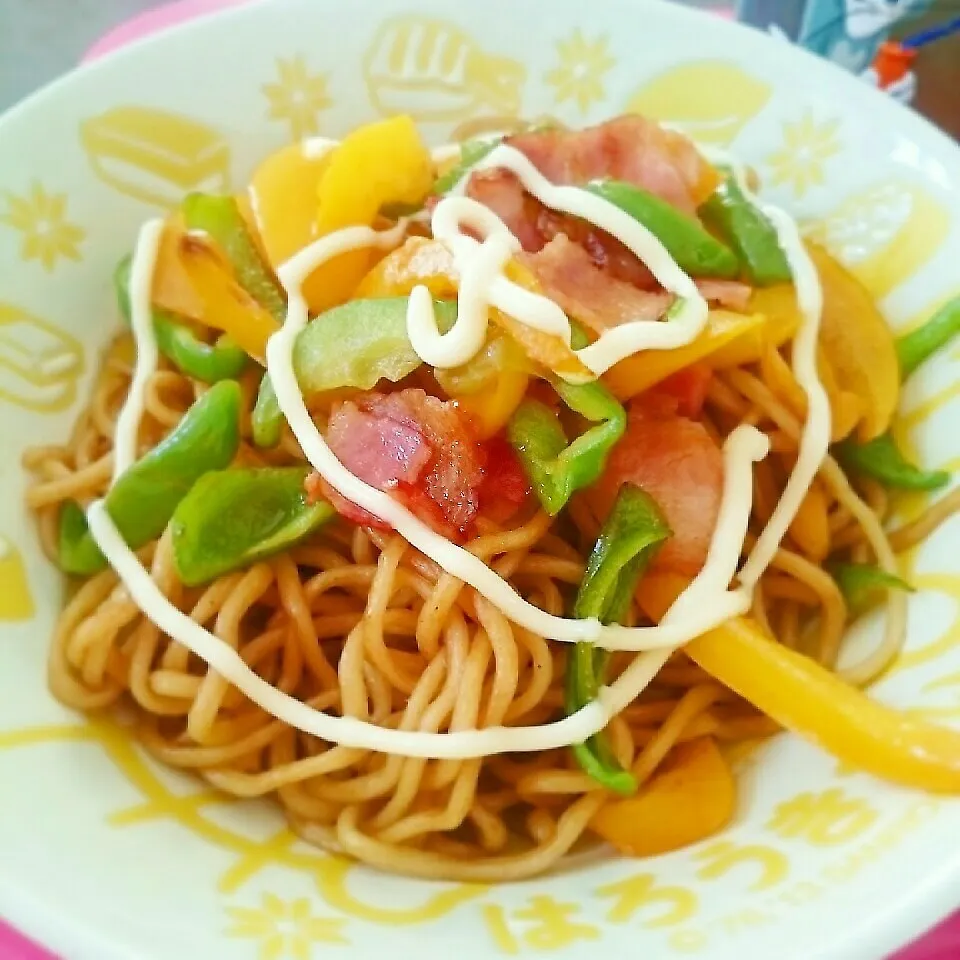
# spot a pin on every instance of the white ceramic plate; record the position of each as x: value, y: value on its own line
x: 103, y: 854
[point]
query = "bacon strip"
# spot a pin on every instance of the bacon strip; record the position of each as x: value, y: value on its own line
x: 413, y: 446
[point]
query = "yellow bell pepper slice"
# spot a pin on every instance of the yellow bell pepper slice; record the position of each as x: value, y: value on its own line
x: 378, y: 164
x: 777, y: 304
x: 846, y: 409
x: 194, y: 280
x: 283, y: 206
x: 489, y: 410
x: 641, y: 371
x: 690, y: 797
x: 418, y: 261
x: 808, y: 699
x: 858, y: 344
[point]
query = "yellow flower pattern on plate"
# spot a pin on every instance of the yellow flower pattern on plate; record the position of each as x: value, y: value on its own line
x: 41, y: 219
x: 580, y: 74
x: 434, y: 71
x: 285, y: 928
x: 297, y: 97
x: 807, y: 146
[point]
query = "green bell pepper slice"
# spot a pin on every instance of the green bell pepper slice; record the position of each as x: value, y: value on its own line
x: 556, y: 468
x: 916, y: 347
x: 354, y: 345
x: 471, y: 153
x: 862, y: 584
x: 266, y: 420
x: 748, y: 231
x: 223, y: 360
x: 696, y: 251
x: 232, y: 518
x: 631, y: 536
x: 220, y: 218
x: 143, y: 500
x: 881, y: 460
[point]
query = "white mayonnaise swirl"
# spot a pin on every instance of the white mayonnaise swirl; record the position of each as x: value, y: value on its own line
x: 706, y: 603
x: 476, y: 263
x: 141, y: 323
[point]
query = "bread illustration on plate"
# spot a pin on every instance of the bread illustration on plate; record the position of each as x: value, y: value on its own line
x: 39, y: 363
x: 434, y: 71
x: 885, y: 233
x: 154, y: 155
x: 710, y: 100
x: 15, y: 600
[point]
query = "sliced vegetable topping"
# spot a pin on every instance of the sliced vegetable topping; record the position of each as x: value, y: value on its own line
x: 220, y: 218
x: 630, y: 538
x: 919, y: 345
x: 232, y: 518
x: 471, y: 153
x: 142, y: 501
x: 283, y: 195
x: 556, y: 468
x: 266, y: 420
x: 222, y: 360
x: 724, y: 330
x: 194, y: 279
x: 858, y: 344
x: 691, y: 796
x: 376, y: 165
x: 749, y: 232
x: 360, y: 343
x: 881, y: 460
x: 863, y: 584
x: 695, y: 251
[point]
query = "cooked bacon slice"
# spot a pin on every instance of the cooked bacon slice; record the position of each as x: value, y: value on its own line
x: 500, y: 191
x: 413, y: 446
x: 678, y: 464
x: 630, y: 148
x: 683, y: 392
x: 505, y: 486
x: 727, y: 293
x: 568, y: 275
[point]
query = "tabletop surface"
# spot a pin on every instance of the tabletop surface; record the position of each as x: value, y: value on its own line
x: 41, y: 39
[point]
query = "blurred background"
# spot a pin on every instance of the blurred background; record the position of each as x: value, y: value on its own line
x: 40, y: 39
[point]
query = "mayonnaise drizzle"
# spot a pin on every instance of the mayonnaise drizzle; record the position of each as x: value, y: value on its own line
x: 815, y: 436
x: 141, y: 322
x: 686, y: 322
x: 452, y: 558
x: 706, y: 603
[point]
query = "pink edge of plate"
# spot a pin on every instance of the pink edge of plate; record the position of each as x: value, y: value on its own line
x: 943, y: 943
x: 153, y: 21
x: 15, y: 947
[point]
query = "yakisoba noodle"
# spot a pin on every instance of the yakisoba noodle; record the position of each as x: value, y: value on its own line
x: 356, y: 622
